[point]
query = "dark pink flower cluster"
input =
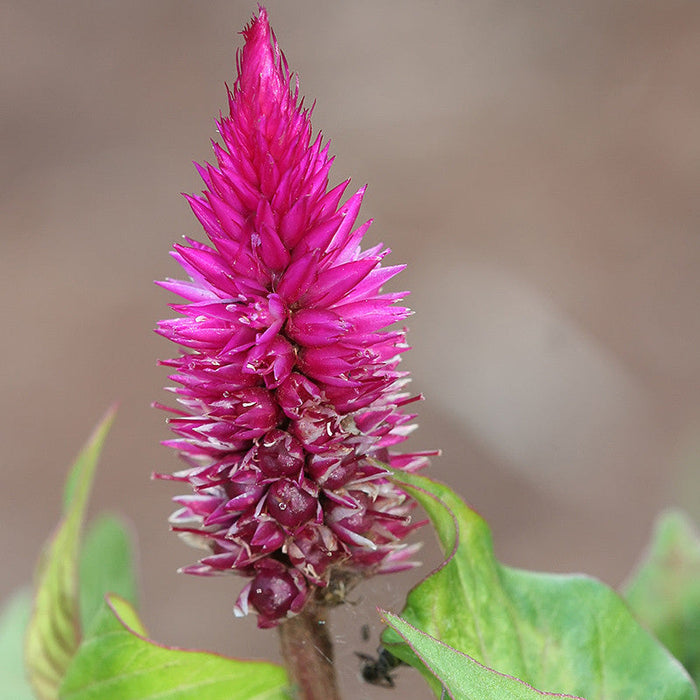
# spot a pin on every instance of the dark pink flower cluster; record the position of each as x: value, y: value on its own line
x: 289, y: 387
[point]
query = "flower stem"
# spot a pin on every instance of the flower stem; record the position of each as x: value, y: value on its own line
x: 308, y: 655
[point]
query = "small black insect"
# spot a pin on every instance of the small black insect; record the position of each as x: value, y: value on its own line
x: 377, y: 670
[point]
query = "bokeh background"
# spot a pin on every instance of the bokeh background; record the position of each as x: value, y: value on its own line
x: 537, y: 166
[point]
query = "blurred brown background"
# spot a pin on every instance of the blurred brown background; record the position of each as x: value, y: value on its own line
x: 537, y: 166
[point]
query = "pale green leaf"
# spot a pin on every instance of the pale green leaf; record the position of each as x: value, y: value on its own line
x: 117, y: 662
x: 560, y: 633
x: 665, y: 591
x: 106, y: 566
x: 53, y: 633
x: 14, y: 619
x: 461, y: 676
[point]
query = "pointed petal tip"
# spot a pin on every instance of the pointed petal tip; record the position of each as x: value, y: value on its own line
x: 262, y: 69
x: 260, y: 19
x: 258, y: 33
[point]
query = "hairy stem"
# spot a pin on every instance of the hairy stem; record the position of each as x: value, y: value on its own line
x: 308, y: 655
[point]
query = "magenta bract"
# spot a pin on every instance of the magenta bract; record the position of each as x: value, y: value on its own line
x: 289, y: 387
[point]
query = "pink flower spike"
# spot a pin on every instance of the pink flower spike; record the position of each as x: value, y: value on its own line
x: 287, y: 383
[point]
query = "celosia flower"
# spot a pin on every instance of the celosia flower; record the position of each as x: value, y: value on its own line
x: 290, y: 391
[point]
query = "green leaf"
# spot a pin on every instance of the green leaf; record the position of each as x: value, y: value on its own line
x: 563, y: 634
x: 665, y: 591
x: 54, y: 628
x: 14, y: 619
x: 461, y: 676
x: 106, y: 566
x: 117, y: 662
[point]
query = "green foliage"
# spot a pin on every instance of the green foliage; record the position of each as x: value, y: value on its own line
x: 106, y: 566
x: 461, y: 676
x: 563, y: 634
x: 53, y: 633
x: 82, y: 644
x: 116, y: 662
x: 665, y: 591
x: 13, y: 625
